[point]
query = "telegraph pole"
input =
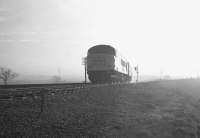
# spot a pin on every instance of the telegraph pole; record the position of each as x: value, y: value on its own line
x: 59, y: 73
x: 84, y: 62
x: 137, y: 72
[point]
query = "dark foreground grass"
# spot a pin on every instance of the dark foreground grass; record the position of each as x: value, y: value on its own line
x: 166, y: 109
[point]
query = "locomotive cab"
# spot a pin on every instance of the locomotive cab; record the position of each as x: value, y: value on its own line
x: 100, y: 63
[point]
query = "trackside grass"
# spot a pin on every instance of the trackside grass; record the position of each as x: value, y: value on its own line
x: 161, y: 109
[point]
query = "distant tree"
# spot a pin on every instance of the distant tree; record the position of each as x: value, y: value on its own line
x: 7, y: 74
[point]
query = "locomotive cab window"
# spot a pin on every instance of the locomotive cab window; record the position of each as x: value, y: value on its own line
x: 123, y: 62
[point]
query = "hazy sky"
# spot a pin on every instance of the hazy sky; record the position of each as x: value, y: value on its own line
x: 42, y: 36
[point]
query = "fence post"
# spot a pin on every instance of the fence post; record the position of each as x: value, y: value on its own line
x: 43, y: 93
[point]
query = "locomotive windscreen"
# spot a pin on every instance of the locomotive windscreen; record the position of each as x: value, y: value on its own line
x: 106, y: 49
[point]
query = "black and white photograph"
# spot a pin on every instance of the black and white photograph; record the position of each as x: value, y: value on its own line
x: 99, y: 69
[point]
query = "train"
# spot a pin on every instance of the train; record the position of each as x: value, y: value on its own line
x: 106, y: 65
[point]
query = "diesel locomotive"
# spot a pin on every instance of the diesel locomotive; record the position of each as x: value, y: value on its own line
x: 106, y: 65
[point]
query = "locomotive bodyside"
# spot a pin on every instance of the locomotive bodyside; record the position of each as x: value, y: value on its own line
x: 104, y: 64
x: 122, y: 68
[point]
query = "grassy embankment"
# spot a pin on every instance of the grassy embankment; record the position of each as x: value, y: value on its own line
x: 167, y: 109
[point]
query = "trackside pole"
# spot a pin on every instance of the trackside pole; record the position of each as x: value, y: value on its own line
x: 85, y: 73
x: 84, y: 62
x: 137, y: 72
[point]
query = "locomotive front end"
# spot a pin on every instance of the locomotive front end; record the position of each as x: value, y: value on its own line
x: 100, y: 63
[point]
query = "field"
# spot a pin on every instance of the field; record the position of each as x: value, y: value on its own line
x: 160, y: 109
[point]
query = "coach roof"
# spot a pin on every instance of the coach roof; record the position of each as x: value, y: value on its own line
x: 107, y: 49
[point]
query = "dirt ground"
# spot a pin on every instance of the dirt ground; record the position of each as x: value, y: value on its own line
x: 160, y: 109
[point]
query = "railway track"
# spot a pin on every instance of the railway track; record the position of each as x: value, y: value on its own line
x: 22, y: 92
